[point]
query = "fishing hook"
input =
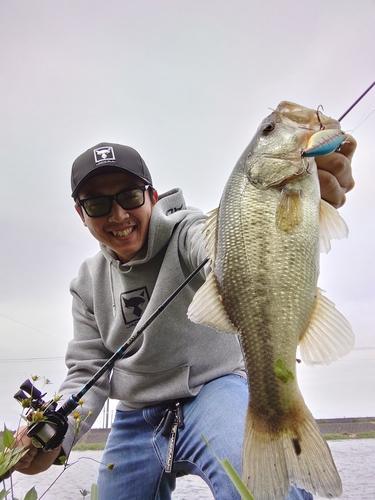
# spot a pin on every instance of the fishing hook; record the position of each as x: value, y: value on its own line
x: 319, y: 111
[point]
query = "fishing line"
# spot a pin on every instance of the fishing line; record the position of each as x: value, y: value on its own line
x: 31, y: 328
x: 50, y: 434
x: 30, y: 360
x: 363, y: 121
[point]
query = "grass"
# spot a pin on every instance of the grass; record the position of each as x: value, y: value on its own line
x: 345, y: 435
x: 89, y: 447
x: 329, y: 437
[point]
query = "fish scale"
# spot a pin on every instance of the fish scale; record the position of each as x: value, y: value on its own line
x: 275, y: 287
x: 263, y: 244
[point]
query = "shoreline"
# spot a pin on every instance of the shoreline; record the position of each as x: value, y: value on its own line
x: 332, y: 429
x: 329, y: 437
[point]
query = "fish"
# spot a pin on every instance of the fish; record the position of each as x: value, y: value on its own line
x: 263, y: 243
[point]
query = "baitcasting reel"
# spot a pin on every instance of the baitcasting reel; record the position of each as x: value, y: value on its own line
x: 49, y: 430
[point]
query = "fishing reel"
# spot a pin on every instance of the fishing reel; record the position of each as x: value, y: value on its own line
x: 47, y: 426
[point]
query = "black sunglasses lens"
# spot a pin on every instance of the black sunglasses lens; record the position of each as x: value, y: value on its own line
x: 97, y: 207
x: 102, y: 205
x: 131, y: 199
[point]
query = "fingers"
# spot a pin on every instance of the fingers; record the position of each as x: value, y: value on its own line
x: 348, y: 147
x: 22, y: 440
x: 42, y: 461
x: 26, y: 460
x: 335, y: 173
x: 36, y: 460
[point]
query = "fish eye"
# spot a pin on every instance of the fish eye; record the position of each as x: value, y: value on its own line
x: 268, y: 128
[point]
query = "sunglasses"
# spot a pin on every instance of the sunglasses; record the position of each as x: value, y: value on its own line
x: 99, y: 206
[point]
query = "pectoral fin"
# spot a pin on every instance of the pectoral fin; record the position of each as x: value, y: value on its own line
x: 328, y: 336
x: 332, y: 226
x: 207, y: 307
x: 289, y: 210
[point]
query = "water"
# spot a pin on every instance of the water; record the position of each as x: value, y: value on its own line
x: 354, y: 460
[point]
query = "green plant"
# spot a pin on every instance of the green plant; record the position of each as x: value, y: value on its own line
x: 10, y: 453
x: 232, y: 474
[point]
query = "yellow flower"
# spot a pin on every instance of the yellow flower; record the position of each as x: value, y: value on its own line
x: 26, y: 403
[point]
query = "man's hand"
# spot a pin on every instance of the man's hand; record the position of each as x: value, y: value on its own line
x: 335, y: 173
x: 35, y: 460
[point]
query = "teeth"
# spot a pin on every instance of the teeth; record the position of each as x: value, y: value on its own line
x: 125, y: 232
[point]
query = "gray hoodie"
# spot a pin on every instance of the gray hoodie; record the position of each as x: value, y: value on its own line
x: 174, y: 357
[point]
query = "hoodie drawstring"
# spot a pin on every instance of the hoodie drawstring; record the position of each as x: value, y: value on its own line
x: 112, y: 289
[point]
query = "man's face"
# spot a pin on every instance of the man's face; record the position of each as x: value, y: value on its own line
x: 124, y: 231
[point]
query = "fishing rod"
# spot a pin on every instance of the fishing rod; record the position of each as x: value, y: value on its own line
x: 356, y: 102
x: 50, y: 432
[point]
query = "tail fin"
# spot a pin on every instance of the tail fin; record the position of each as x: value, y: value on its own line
x: 298, y: 456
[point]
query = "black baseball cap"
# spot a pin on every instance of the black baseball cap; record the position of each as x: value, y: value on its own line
x: 107, y: 157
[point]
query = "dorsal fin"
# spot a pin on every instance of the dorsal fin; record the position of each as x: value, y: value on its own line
x: 210, y: 231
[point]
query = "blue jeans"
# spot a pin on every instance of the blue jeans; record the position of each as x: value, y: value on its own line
x: 138, y: 449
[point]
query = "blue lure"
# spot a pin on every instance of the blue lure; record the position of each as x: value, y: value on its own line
x: 324, y: 142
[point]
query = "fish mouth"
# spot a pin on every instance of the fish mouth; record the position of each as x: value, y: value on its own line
x: 123, y: 233
x: 279, y: 156
x: 309, y: 119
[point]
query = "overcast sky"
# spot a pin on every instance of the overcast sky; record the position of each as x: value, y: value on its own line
x: 186, y: 83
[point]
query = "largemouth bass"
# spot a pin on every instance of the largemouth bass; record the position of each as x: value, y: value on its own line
x: 263, y: 243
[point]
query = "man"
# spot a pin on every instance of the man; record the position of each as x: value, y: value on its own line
x: 148, y: 245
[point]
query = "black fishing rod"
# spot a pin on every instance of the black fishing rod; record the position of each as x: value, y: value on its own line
x: 49, y: 433
x: 356, y: 102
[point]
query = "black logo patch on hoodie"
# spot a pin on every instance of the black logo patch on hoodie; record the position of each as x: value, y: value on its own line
x: 133, y: 304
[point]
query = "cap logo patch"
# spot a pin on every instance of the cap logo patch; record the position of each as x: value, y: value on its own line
x: 104, y: 154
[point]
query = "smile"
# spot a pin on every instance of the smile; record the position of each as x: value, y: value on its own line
x: 125, y: 232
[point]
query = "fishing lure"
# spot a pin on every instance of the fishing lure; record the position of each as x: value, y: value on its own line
x: 324, y: 142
